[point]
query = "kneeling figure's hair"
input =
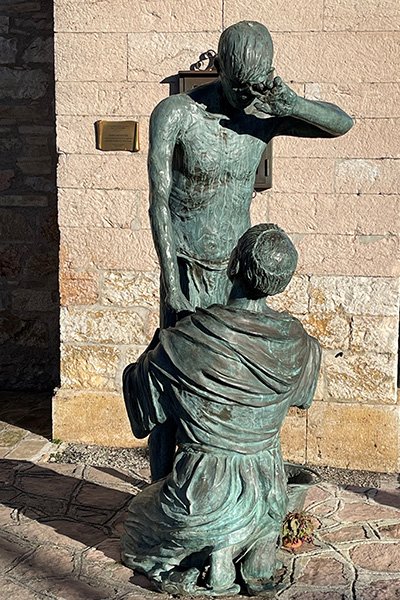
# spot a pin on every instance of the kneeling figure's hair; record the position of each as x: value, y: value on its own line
x: 264, y: 260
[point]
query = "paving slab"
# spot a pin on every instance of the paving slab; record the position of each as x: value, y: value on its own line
x: 60, y: 526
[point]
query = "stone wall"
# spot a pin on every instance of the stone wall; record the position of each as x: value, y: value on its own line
x: 29, y: 310
x: 337, y: 198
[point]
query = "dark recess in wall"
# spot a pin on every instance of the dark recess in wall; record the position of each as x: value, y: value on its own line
x: 29, y: 237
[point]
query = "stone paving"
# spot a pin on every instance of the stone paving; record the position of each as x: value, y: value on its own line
x: 60, y: 526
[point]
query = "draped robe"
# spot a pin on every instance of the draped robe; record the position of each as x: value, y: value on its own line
x: 227, y: 377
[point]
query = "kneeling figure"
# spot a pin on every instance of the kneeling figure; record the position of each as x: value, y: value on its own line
x: 226, y: 377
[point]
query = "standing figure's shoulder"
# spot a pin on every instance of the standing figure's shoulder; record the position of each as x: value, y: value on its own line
x: 173, y: 107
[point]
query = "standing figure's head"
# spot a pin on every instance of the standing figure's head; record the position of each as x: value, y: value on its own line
x: 263, y: 261
x: 245, y: 52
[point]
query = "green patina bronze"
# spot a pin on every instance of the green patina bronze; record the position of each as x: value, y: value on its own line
x: 205, y: 148
x: 226, y: 377
x: 218, y: 378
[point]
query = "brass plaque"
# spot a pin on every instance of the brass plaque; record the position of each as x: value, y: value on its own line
x: 117, y: 135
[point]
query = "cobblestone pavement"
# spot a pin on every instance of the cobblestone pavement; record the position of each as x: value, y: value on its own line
x: 60, y: 526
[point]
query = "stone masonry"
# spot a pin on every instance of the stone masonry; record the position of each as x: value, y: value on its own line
x: 338, y: 199
x: 29, y: 309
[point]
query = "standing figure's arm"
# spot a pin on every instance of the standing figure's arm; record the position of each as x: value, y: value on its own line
x: 301, y: 117
x: 164, y: 128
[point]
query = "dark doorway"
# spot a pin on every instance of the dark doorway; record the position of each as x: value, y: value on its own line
x: 29, y: 237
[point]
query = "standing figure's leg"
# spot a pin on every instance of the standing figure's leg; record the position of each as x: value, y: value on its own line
x: 162, y: 440
x: 259, y: 564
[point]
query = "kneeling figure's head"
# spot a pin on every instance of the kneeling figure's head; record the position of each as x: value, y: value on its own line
x: 263, y: 261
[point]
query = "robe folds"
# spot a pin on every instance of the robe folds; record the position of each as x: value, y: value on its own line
x: 226, y: 377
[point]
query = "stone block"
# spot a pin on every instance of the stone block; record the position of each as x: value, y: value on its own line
x: 353, y: 436
x: 106, y: 326
x: 33, y: 146
x: 29, y: 332
x: 293, y: 436
x: 367, y: 377
x: 40, y: 184
x: 6, y: 178
x: 42, y: 263
x: 154, y: 55
x: 325, y: 571
x: 320, y: 389
x: 112, y: 171
x: 11, y: 436
x: 383, y: 557
x: 38, y: 21
x: 132, y: 353
x: 4, y: 24
x: 89, y: 367
x: 28, y: 300
x: 390, y: 531
x: 142, y: 16
x: 36, y: 129
x: 360, y: 176
x: 336, y: 213
x: 345, y: 534
x: 30, y: 450
x: 8, y: 50
x: 361, y: 99
x: 110, y: 249
x: 12, y: 259
x: 355, y: 295
x: 303, y: 175
x: 92, y: 418
x: 277, y: 15
x: 369, y: 15
x: 40, y: 50
x: 259, y: 209
x: 23, y: 84
x: 123, y: 209
x: 38, y: 166
x: 294, y: 299
x: 10, y: 144
x: 9, y: 587
x: 332, y: 330
x: 78, y: 287
x: 15, y: 225
x: 80, y: 98
x: 348, y: 255
x: 338, y: 56
x: 378, y: 590
x: 374, y: 334
x: 20, y: 6
x: 127, y: 289
x: 91, y: 57
x: 369, y: 138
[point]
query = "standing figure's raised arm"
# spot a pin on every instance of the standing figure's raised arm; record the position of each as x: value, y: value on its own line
x: 299, y: 116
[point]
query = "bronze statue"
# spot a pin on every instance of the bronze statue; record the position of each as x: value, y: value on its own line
x: 205, y: 148
x: 226, y: 377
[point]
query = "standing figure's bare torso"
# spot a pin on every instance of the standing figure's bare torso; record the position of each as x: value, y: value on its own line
x: 214, y: 165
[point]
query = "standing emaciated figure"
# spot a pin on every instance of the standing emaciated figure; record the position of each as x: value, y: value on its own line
x: 205, y: 148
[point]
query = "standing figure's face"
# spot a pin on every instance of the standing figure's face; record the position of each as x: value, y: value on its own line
x: 238, y: 91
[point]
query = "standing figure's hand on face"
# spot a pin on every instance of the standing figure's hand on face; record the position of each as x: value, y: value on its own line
x: 278, y: 99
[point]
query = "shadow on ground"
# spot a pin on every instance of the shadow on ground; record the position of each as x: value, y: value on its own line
x: 60, y: 529
x: 59, y: 498
x: 30, y: 411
